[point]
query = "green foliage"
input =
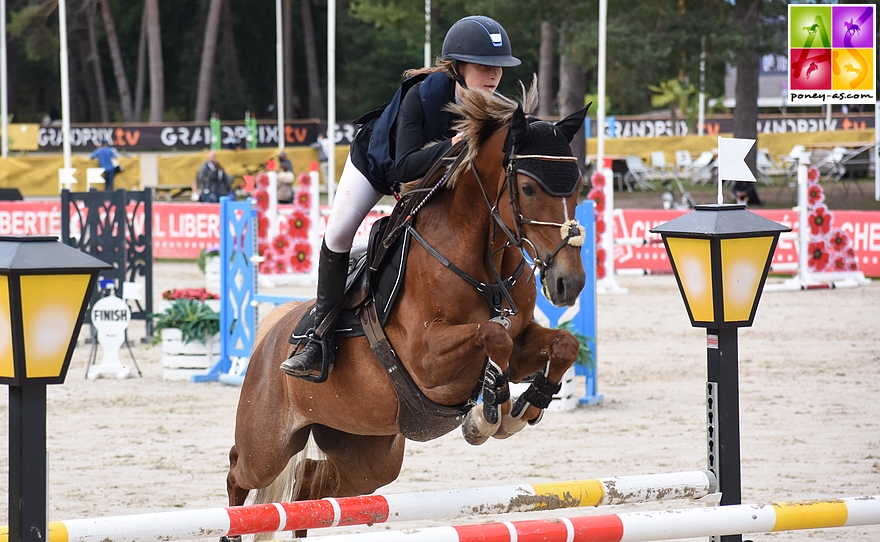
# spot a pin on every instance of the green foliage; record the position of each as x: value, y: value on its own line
x: 195, y: 320
x: 204, y: 254
x: 673, y: 94
x: 585, y: 354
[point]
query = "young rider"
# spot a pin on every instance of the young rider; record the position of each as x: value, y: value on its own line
x: 475, y: 50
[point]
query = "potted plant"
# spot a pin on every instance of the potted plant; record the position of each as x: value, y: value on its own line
x: 189, y: 333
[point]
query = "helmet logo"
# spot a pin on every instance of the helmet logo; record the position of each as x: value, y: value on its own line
x: 496, y: 39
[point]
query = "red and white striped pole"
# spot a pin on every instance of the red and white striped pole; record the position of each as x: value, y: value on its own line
x: 647, y: 526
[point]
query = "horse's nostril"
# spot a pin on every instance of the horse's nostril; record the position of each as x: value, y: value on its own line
x: 560, y: 286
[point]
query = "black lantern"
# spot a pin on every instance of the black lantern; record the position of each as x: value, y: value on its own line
x: 720, y: 255
x: 44, y: 290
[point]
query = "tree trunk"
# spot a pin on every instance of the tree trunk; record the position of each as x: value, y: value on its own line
x: 116, y: 59
x: 316, y: 102
x: 141, y: 80
x: 206, y: 69
x: 157, y: 75
x: 572, y: 87
x: 94, y: 60
x: 290, y: 107
x: 545, y: 71
x: 745, y: 115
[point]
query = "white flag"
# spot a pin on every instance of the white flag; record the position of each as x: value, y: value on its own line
x: 731, y: 159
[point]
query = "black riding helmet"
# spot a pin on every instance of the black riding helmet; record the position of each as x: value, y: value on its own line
x: 479, y: 40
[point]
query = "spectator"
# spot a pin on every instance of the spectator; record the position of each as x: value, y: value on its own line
x: 746, y: 192
x: 282, y: 160
x: 109, y: 161
x: 211, y: 181
x: 285, y: 183
x: 322, y: 145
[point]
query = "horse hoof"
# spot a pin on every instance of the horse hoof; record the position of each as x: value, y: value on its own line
x: 475, y: 429
x: 230, y: 539
x: 510, y: 425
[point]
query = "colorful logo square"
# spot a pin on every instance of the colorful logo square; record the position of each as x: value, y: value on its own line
x: 831, y: 54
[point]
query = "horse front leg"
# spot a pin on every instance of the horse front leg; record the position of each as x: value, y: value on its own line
x: 481, y: 422
x: 547, y: 353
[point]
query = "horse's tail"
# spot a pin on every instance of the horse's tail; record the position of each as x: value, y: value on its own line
x: 288, y: 485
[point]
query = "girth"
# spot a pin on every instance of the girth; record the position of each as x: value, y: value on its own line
x: 419, y: 418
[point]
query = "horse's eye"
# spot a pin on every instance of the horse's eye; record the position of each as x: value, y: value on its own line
x: 528, y: 190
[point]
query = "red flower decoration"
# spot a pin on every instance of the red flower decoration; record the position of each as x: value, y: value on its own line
x: 262, y: 226
x: 812, y: 174
x: 818, y: 255
x: 815, y: 195
x: 280, y: 243
x: 280, y: 266
x: 598, y: 180
x: 598, y: 196
x: 200, y: 294
x: 838, y: 240
x: 301, y: 260
x: 304, y: 199
x: 263, y: 180
x: 820, y: 221
x: 298, y: 225
x: 600, y: 225
x: 600, y: 270
x: 839, y: 264
x: 305, y: 180
x: 262, y: 200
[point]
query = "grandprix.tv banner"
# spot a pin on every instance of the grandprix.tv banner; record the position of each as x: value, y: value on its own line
x: 831, y: 55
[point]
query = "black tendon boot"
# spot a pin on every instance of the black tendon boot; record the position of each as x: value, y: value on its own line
x: 332, y: 272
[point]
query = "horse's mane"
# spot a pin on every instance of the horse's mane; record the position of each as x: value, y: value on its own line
x: 483, y: 115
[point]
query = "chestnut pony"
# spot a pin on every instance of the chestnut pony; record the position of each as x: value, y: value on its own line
x: 505, y: 211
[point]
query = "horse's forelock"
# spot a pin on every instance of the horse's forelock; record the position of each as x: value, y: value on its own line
x: 484, y: 115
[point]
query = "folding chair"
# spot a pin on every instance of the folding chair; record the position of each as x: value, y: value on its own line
x: 702, y: 169
x: 638, y: 172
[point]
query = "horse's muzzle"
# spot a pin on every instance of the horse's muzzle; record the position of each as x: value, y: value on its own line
x: 562, y: 287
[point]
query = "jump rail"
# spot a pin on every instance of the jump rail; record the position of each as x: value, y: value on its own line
x: 646, y: 526
x: 427, y: 505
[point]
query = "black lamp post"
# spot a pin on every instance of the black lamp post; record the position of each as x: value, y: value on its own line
x: 44, y: 289
x: 720, y: 255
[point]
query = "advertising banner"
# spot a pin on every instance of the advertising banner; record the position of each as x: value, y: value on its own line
x: 181, y: 231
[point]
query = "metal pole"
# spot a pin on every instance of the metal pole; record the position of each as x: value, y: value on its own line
x: 331, y: 98
x: 279, y: 72
x: 702, y: 111
x: 427, y: 33
x: 4, y: 111
x: 28, y: 482
x: 723, y: 420
x: 65, y: 83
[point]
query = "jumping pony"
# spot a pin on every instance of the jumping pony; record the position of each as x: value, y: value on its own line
x: 477, y: 234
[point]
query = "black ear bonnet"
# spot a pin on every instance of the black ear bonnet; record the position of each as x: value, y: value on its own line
x: 531, y: 136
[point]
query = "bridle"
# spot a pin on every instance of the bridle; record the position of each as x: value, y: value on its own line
x: 571, y: 232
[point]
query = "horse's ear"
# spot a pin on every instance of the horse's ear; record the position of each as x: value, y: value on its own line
x: 519, y: 126
x: 572, y: 123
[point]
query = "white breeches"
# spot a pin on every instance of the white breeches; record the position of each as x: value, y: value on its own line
x: 354, y: 198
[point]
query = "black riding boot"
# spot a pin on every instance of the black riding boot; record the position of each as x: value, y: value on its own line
x: 332, y: 272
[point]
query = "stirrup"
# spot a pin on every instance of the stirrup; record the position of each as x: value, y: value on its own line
x: 325, y: 363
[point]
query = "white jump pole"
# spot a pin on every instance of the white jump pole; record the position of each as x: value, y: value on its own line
x: 331, y: 99
x: 370, y: 509
x: 647, y: 526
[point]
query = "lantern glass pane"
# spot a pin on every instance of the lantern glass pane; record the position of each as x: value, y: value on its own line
x: 742, y: 266
x: 693, y: 264
x: 50, y: 308
x: 7, y: 365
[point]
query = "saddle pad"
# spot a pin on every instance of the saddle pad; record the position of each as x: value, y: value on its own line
x: 385, y: 288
